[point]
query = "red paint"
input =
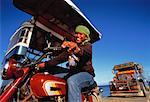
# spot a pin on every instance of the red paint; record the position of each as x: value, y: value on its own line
x: 12, y: 70
x: 90, y: 99
x: 38, y: 81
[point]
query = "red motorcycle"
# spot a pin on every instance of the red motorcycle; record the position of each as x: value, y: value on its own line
x: 32, y: 84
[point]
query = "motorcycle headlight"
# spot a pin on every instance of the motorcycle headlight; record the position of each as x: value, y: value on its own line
x: 11, y: 70
x: 8, y: 69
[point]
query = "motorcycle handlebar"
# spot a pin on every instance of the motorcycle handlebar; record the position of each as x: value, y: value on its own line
x: 38, y: 60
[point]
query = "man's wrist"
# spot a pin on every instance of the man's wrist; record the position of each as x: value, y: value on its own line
x: 77, y: 50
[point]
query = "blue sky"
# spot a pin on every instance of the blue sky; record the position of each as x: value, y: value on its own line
x: 125, y: 25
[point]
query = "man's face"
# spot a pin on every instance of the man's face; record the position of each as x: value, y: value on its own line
x: 80, y: 37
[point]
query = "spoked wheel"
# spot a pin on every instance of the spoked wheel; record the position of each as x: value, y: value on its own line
x: 25, y: 94
x: 53, y: 99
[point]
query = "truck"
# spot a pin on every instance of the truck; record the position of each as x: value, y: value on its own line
x: 128, y: 80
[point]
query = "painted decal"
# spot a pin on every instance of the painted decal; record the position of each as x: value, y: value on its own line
x: 52, y: 87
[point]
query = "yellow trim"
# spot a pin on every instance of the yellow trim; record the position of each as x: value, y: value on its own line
x: 125, y: 65
x: 127, y: 72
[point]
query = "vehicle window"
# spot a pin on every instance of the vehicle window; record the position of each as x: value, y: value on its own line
x: 20, y: 36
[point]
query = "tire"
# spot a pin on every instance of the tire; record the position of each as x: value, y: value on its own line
x: 143, y: 88
x: 96, y: 98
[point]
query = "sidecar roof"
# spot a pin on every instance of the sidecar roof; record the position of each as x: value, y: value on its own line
x: 62, y: 13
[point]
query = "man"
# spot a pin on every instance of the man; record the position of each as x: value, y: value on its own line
x: 79, y: 55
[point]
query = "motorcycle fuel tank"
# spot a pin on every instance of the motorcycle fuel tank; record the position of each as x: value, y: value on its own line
x: 44, y: 85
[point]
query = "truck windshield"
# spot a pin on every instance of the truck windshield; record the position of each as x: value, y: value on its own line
x: 19, y: 37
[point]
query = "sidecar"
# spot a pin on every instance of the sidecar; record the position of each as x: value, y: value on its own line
x: 52, y: 22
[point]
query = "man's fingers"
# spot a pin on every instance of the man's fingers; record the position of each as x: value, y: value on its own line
x: 65, y: 44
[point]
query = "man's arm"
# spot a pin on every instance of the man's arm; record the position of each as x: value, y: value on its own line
x: 57, y: 60
x: 78, y: 50
x: 85, y: 51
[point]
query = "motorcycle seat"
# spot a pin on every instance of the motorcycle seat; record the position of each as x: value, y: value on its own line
x: 87, y: 89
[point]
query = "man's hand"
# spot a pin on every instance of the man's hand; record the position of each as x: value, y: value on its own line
x: 41, y: 65
x: 65, y: 44
x: 73, y: 47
